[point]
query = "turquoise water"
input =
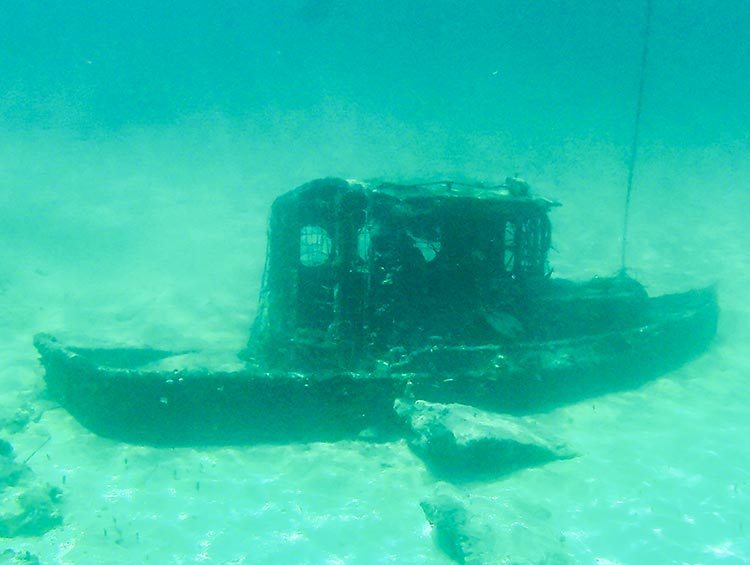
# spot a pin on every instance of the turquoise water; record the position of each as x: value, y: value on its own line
x: 142, y: 143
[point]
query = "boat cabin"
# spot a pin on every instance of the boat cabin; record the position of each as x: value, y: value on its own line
x: 354, y: 271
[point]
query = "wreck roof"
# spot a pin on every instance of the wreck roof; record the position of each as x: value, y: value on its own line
x: 445, y: 190
x: 431, y: 191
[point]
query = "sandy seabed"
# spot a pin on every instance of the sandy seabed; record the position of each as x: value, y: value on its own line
x: 149, y: 239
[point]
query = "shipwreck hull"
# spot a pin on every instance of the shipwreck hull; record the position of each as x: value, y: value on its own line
x: 114, y: 394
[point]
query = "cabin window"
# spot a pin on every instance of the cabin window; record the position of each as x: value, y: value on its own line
x: 510, y: 247
x: 525, y: 246
x: 364, y: 243
x: 315, y: 246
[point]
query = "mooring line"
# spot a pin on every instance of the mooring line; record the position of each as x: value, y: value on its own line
x: 636, y: 130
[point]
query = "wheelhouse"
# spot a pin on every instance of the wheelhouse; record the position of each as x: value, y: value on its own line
x: 355, y: 271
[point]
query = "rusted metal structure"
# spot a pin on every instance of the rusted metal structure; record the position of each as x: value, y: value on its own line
x: 438, y: 291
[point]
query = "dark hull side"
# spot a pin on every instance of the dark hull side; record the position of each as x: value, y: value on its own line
x: 108, y: 394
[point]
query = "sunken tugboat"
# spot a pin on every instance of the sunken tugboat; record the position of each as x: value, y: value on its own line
x: 438, y: 291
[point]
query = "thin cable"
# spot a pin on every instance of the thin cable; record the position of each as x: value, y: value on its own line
x: 636, y: 130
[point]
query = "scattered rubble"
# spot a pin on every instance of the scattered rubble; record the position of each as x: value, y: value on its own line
x: 13, y: 557
x: 477, y: 530
x: 461, y: 443
x: 28, y: 507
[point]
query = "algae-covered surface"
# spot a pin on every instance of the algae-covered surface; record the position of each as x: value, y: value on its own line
x: 140, y: 149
